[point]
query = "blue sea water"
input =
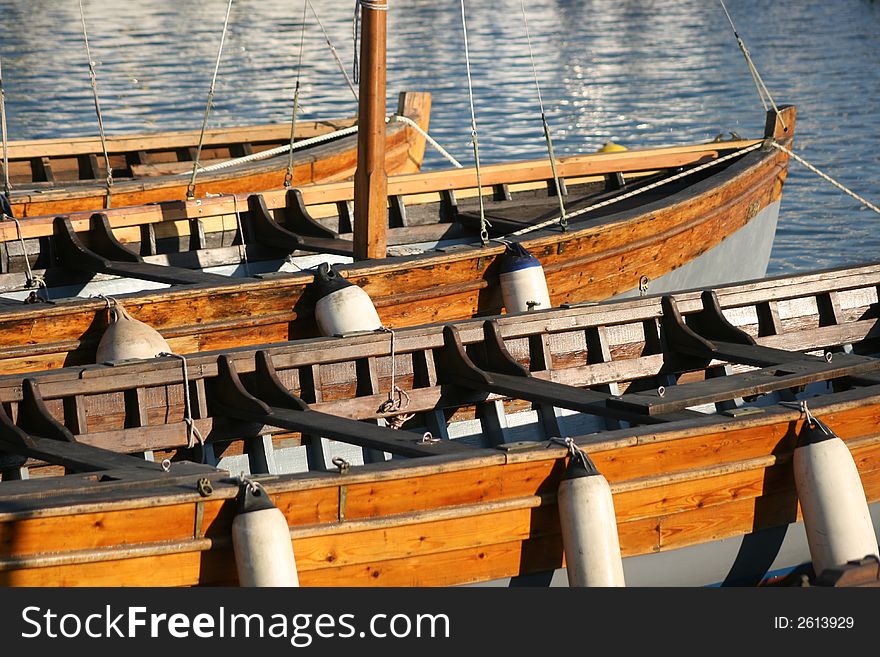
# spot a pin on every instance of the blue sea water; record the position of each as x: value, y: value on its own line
x: 639, y: 72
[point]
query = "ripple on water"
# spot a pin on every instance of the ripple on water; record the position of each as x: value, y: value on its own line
x: 639, y: 73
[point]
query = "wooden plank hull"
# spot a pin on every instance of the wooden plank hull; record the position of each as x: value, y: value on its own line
x: 335, y: 160
x: 467, y: 523
x: 744, y: 255
x: 699, y: 499
x: 593, y: 261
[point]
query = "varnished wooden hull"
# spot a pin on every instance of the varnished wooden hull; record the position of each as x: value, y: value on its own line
x: 476, y: 517
x: 335, y: 160
x: 590, y: 262
x: 447, y: 523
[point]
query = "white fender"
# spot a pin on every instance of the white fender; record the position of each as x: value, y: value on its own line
x: 261, y: 541
x: 833, y: 503
x: 523, y: 285
x: 589, y: 527
x: 342, y: 306
x: 127, y: 337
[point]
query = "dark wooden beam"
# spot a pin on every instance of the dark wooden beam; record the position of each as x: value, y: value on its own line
x: 109, y: 256
x: 274, y: 405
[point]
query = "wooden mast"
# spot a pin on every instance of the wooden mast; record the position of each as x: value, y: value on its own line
x: 370, y: 180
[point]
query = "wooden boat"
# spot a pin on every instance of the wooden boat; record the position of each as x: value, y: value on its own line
x: 57, y: 176
x: 687, y: 404
x: 425, y: 247
x: 712, y: 227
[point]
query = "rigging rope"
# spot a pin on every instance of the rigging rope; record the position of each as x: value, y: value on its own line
x: 563, y: 220
x: 484, y: 225
x: 31, y: 279
x: 191, y: 189
x: 290, y: 147
x: 392, y: 404
x: 825, y: 176
x: 272, y: 152
x: 415, y: 126
x: 759, y: 82
x: 288, y: 176
x: 305, y: 143
x: 575, y: 452
x: 375, y: 5
x: 641, y: 190
x: 242, y: 247
x: 6, y: 185
x: 333, y: 51
x: 94, y: 81
x: 355, y: 29
x: 192, y: 431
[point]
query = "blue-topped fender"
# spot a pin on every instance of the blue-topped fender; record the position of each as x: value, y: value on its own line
x: 517, y: 257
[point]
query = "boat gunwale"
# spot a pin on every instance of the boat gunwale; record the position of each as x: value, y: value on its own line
x: 343, y: 191
x: 116, y: 143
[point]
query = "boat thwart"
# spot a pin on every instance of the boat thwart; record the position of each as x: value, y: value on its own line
x: 690, y: 405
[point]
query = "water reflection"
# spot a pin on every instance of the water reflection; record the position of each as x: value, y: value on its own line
x: 637, y: 72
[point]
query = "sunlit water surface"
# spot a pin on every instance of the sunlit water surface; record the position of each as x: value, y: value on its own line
x: 638, y: 72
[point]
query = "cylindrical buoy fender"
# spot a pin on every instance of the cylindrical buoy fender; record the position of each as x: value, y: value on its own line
x: 523, y: 285
x: 261, y: 541
x: 127, y: 337
x: 589, y: 526
x: 342, y: 306
x: 835, y: 509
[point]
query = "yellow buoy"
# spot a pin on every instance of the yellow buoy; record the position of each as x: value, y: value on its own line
x: 611, y: 147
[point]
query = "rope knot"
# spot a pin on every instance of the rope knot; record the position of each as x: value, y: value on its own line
x: 810, y: 420
x: 398, y: 398
x: 375, y: 5
x: 193, y: 435
x: 804, y: 408
x: 251, y: 485
x: 31, y: 279
x: 574, y: 451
